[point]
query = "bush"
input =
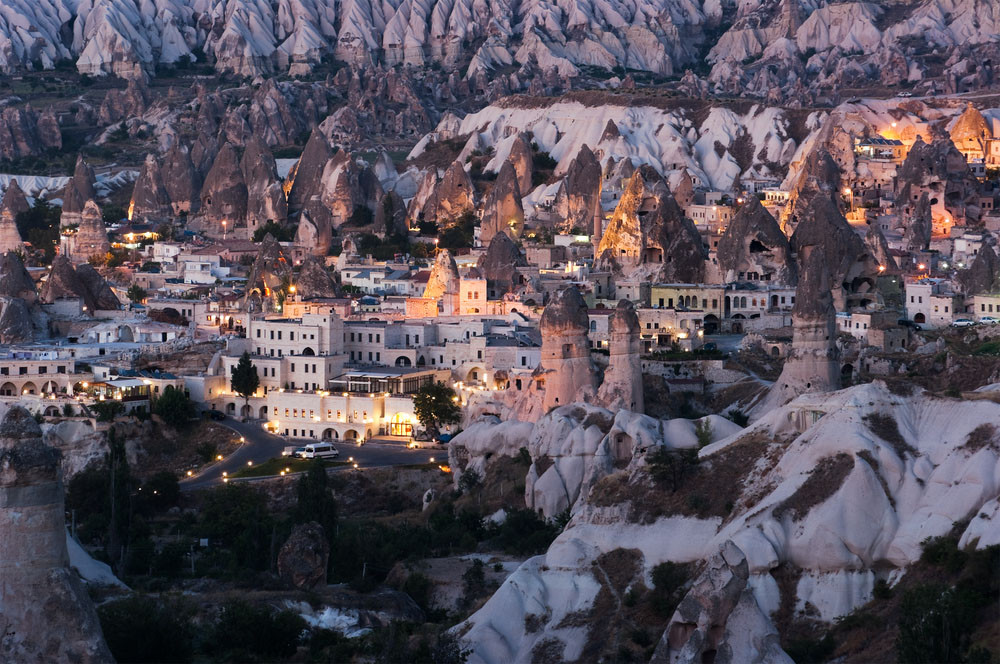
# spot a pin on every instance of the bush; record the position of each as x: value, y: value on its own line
x: 277, y: 231
x: 206, y: 451
x: 672, y: 467
x: 935, y: 623
x: 161, y: 491
x: 524, y: 532
x: 174, y: 407
x: 143, y: 629
x: 248, y: 633
x: 470, y: 480
x: 703, y: 432
x: 810, y: 651
x: 668, y: 587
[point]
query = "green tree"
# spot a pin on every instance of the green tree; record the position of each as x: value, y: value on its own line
x: 245, y: 380
x: 174, y: 407
x: 237, y: 517
x: 248, y: 633
x: 136, y: 293
x: 277, y: 231
x: 119, y: 495
x: 436, y: 404
x: 161, y: 492
x: 107, y: 411
x: 40, y: 227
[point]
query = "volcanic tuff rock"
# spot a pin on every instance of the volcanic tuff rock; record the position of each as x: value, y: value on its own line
x: 268, y: 275
x: 918, y: 233
x: 15, y: 321
x: 150, y: 198
x: 306, y: 175
x: 499, y: 265
x: 719, y: 619
x: 390, y: 215
x: 181, y: 179
x: 47, y: 615
x: 13, y: 204
x: 622, y: 383
x: 224, y: 194
x: 521, y: 156
x: 448, y: 198
x: 64, y: 281
x: 582, y: 187
x: 97, y: 288
x: 78, y: 191
x: 649, y: 237
x: 91, y: 237
x: 848, y: 259
x: 502, y: 212
x: 971, y: 132
x: 48, y: 130
x: 444, y: 279
x: 314, y: 280
x: 14, y: 279
x: 983, y: 275
x: 346, y: 186
x: 940, y: 167
x: 753, y: 242
x: 21, y: 135
x: 303, y: 557
x: 879, y: 248
x: 265, y: 196
x: 314, y: 233
x: 566, y: 370
x: 121, y: 105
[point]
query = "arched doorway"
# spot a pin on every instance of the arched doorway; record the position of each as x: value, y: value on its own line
x: 29, y: 388
x: 125, y: 334
x: 52, y: 411
x: 403, y: 361
x: 919, y: 318
x: 50, y: 387
x: 401, y: 424
x: 8, y: 390
x: 245, y: 410
x: 350, y: 434
x: 711, y: 322
x: 231, y: 408
x: 308, y: 352
x: 262, y: 413
x: 328, y: 434
x: 846, y: 373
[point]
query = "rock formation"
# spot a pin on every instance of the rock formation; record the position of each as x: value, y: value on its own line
x: 90, y: 237
x: 582, y: 187
x: 307, y: 173
x: 265, y: 196
x: 315, y: 234
x: 15, y: 281
x: 121, y: 104
x: 13, y: 204
x: 719, y: 620
x: 268, y: 275
x: 648, y: 236
x: 754, y: 244
x: 502, y: 212
x: 150, y: 198
x: 851, y: 266
x: 314, y: 280
x: 499, y: 265
x: 444, y: 282
x: 522, y: 158
x: 78, y: 191
x: 47, y: 615
x: 983, y: 275
x: 918, y: 233
x: 66, y: 282
x: 224, y: 194
x: 303, y: 558
x: 22, y: 134
x: 447, y: 199
x: 971, y: 134
x: 622, y: 384
x: 879, y: 250
x: 15, y: 321
x: 181, y: 179
x: 390, y: 215
x: 938, y: 168
x: 566, y: 373
x: 813, y: 364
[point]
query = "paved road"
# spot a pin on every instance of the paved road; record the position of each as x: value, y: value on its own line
x: 727, y: 343
x: 261, y: 446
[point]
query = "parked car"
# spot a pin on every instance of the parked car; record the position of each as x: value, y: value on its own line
x: 903, y: 322
x: 904, y: 94
x: 216, y: 415
x: 711, y: 345
x: 320, y: 451
x: 297, y: 452
x: 989, y: 320
x: 963, y: 322
x: 291, y: 450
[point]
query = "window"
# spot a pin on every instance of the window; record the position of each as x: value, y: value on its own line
x: 42, y: 370
x: 293, y: 366
x: 291, y: 336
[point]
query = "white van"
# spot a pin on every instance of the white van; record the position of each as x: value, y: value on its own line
x: 320, y: 451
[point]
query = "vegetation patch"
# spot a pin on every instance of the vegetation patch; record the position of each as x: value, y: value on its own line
x: 286, y: 464
x: 982, y: 436
x: 885, y: 427
x: 828, y: 476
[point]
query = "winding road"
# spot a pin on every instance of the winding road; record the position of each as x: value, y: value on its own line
x: 261, y: 446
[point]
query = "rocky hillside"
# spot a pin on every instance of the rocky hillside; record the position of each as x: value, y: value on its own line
x: 809, y: 509
x: 778, y: 48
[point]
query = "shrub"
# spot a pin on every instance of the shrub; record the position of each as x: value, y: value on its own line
x: 671, y: 467
x: 668, y: 587
x: 470, y: 480
x: 174, y: 407
x: 935, y: 623
x: 703, y: 432
x: 244, y: 632
x: 144, y: 629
